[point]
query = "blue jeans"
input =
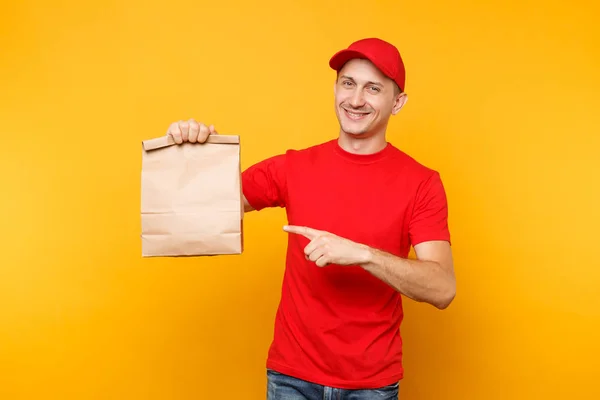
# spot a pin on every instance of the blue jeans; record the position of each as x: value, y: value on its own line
x: 283, y: 387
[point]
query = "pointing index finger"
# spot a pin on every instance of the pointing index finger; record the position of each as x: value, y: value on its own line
x: 305, y: 231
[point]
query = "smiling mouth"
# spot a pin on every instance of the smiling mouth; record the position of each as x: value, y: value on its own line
x: 356, y: 116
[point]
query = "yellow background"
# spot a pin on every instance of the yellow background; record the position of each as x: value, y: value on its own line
x: 503, y: 101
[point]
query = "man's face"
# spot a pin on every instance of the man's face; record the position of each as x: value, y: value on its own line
x: 365, y: 99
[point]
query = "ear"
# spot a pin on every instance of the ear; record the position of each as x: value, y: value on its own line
x: 399, y: 102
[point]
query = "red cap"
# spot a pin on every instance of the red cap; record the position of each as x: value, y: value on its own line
x: 382, y: 54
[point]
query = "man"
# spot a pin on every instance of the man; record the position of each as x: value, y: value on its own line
x: 355, y: 205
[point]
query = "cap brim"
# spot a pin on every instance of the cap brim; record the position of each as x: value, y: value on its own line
x: 343, y: 56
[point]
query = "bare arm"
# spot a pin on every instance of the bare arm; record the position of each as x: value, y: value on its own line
x: 247, y: 206
x: 428, y: 279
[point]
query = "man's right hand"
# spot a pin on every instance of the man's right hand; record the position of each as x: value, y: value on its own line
x: 196, y: 132
x: 190, y: 131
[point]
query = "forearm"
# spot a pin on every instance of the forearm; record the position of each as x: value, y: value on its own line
x: 247, y: 206
x: 420, y: 280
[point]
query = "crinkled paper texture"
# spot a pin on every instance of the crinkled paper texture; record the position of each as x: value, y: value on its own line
x: 191, y: 198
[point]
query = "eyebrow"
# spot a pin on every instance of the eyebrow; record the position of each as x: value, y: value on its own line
x: 370, y: 82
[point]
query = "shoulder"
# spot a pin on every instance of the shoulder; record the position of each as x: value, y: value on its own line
x: 313, y: 149
x: 292, y: 158
x: 294, y: 155
x: 411, y: 166
x: 310, y: 153
x: 423, y: 181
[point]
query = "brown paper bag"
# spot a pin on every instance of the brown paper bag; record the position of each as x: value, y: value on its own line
x: 191, y: 197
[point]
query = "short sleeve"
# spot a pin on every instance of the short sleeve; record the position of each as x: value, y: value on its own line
x: 429, y: 220
x: 264, y: 183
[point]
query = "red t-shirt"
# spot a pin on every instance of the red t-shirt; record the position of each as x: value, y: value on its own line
x: 339, y: 325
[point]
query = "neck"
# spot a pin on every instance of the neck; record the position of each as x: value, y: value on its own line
x: 361, y: 144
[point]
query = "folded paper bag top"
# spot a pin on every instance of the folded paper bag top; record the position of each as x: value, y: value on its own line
x: 191, y: 197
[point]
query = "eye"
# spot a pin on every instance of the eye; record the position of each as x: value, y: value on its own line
x: 347, y: 83
x: 375, y: 89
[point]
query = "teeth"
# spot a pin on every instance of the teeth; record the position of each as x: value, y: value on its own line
x: 354, y: 114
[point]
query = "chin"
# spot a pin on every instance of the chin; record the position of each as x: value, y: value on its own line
x: 354, y: 130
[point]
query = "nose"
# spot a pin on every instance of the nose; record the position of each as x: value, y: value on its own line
x: 358, y: 99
